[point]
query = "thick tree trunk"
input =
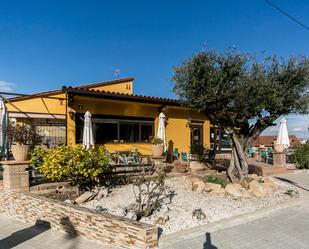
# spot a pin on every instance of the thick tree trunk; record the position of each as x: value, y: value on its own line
x: 238, y: 168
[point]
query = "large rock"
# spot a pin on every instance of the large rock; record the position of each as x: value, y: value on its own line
x: 269, y: 181
x: 196, y: 166
x: 160, y: 221
x: 198, y: 214
x: 234, y: 190
x: 217, y: 192
x: 103, y: 192
x: 198, y: 185
x: 269, y: 188
x: 257, y: 188
x: 209, y: 186
x: 87, y: 196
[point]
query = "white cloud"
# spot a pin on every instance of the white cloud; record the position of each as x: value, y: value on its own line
x: 298, y: 129
x: 6, y: 86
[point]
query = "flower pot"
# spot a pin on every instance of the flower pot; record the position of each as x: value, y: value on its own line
x: 196, y: 166
x: 279, y: 147
x: 157, y: 150
x: 20, y: 152
x: 180, y: 167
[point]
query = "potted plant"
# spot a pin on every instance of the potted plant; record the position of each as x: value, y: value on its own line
x: 180, y: 166
x: 157, y: 147
x: 21, y: 138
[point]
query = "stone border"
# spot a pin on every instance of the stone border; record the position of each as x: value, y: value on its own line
x: 104, y: 227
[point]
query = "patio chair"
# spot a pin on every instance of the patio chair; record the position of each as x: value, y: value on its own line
x: 135, y: 153
x: 130, y: 161
x: 252, y: 150
x: 184, y: 157
x: 264, y: 154
x: 175, y: 154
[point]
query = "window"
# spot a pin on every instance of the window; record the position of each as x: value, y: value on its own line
x: 146, y: 132
x: 117, y: 129
x: 129, y: 132
x: 106, y: 132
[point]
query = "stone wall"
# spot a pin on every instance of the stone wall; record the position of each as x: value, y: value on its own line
x: 107, y: 228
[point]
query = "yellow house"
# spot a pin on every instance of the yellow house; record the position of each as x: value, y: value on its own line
x: 121, y: 119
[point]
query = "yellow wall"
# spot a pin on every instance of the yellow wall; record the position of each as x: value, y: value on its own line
x: 39, y: 105
x: 177, y: 130
x: 122, y: 87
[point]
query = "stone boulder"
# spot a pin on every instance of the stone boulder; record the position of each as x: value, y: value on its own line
x: 198, y: 185
x: 198, y: 214
x: 257, y: 189
x: 87, y: 196
x: 217, y: 192
x: 160, y: 221
x: 236, y: 190
x: 209, y: 186
x: 196, y: 166
x: 269, y: 181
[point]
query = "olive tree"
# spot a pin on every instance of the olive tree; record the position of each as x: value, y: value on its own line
x: 242, y: 95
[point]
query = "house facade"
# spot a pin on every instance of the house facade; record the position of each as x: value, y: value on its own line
x: 121, y: 120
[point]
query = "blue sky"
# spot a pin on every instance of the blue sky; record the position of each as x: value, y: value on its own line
x: 47, y: 44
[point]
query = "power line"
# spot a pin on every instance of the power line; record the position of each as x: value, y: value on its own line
x: 287, y: 14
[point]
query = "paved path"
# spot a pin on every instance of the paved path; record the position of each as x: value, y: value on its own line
x: 18, y: 235
x: 287, y: 228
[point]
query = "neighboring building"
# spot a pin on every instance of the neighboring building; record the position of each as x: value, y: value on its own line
x: 121, y: 119
x: 269, y: 141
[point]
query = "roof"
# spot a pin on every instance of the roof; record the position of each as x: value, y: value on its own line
x: 268, y: 141
x: 103, y: 83
x: 121, y: 96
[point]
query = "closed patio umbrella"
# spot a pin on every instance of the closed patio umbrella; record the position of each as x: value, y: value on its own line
x: 87, y: 132
x: 161, y: 129
x: 4, y: 123
x: 283, y: 135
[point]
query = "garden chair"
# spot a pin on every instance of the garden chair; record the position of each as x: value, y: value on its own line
x: 264, y: 154
x: 184, y: 156
x: 175, y: 154
x: 252, y: 150
x: 130, y: 161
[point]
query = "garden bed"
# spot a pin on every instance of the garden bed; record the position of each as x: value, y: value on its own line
x: 177, y: 214
x: 184, y: 201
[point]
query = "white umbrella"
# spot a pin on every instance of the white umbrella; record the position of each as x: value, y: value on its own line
x: 3, y: 122
x: 87, y: 132
x: 161, y: 129
x: 283, y: 135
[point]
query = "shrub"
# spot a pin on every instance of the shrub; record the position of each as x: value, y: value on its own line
x: 157, y: 140
x: 26, y: 134
x: 149, y: 192
x: 301, y: 156
x: 216, y: 179
x: 83, y: 168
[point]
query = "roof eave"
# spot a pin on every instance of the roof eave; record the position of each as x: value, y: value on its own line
x: 123, y: 97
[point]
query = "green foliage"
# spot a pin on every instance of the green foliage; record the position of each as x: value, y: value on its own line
x: 82, y: 167
x: 291, y: 192
x: 239, y: 93
x: 216, y: 179
x: 157, y: 140
x: 301, y: 156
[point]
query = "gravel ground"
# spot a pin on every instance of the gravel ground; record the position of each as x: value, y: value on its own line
x: 185, y: 201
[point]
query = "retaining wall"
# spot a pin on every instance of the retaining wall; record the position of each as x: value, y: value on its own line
x: 92, y: 224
